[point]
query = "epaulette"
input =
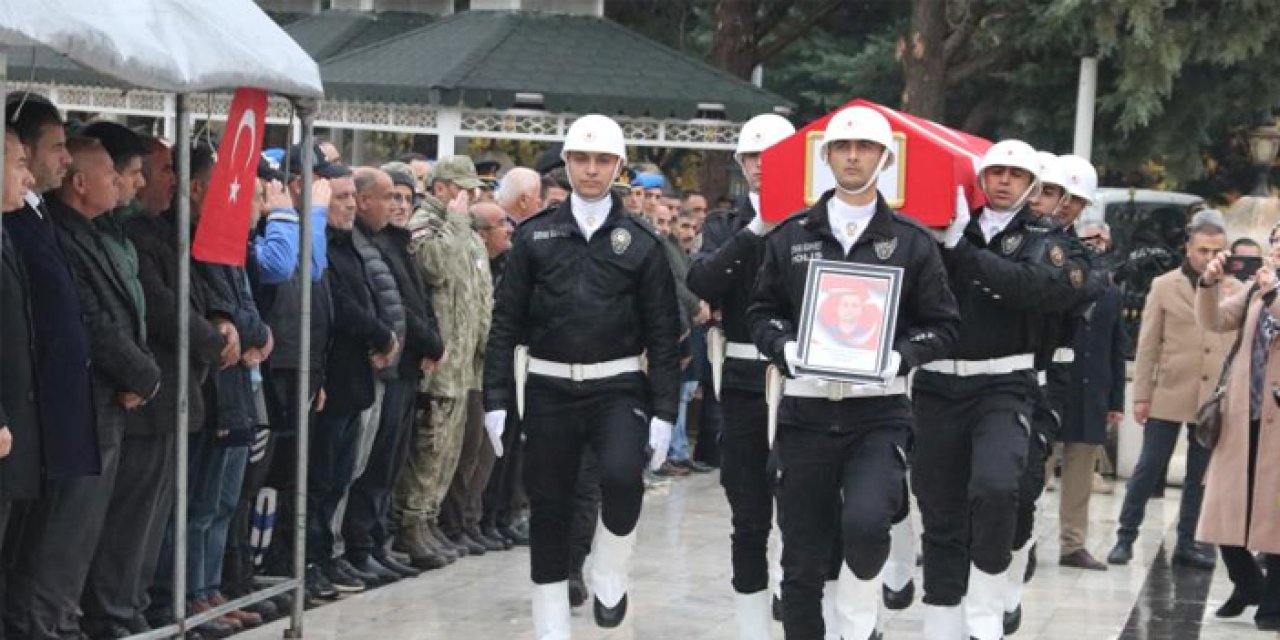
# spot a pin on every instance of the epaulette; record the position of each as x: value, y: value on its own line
x: 908, y: 221
x: 537, y: 215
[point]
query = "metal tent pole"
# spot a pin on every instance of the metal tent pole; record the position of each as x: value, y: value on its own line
x: 183, y: 147
x: 4, y: 81
x: 306, y: 111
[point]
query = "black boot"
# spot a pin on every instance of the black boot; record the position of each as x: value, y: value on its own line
x: 899, y: 600
x: 1122, y: 553
x: 610, y: 617
x: 577, y: 590
x: 1013, y: 620
x: 1240, y: 598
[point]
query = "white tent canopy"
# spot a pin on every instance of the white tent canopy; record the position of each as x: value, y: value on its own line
x: 165, y: 44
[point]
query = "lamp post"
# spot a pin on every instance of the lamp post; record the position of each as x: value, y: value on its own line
x: 1264, y: 144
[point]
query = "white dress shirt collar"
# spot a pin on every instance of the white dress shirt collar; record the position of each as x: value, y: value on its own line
x: 993, y: 222
x: 848, y: 221
x: 590, y: 216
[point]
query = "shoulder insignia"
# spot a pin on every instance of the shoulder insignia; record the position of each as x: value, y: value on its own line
x: 422, y: 233
x: 1011, y: 243
x: 885, y: 248
x: 1076, y: 274
x: 1057, y: 256
x: 620, y: 239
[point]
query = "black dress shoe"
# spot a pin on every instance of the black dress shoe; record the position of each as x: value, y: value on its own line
x: 342, y: 581
x: 1267, y: 623
x: 899, y: 600
x: 698, y: 467
x: 374, y: 568
x: 490, y: 544
x: 318, y: 583
x: 577, y: 590
x: 1193, y: 558
x: 1030, y: 571
x: 491, y: 532
x: 1122, y: 553
x: 400, y: 568
x: 777, y: 609
x: 515, y: 535
x: 610, y: 617
x: 1081, y: 559
x: 1240, y: 598
x: 1013, y: 620
x: 473, y: 547
x: 369, y: 579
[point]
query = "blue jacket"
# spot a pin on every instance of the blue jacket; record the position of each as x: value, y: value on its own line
x: 276, y: 249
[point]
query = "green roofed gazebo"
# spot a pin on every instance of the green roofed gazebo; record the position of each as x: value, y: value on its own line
x: 516, y: 75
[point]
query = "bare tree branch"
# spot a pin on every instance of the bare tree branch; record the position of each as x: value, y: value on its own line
x: 774, y: 13
x: 780, y: 43
x: 965, y: 70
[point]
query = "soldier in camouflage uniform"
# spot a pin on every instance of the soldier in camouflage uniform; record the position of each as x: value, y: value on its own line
x: 453, y: 263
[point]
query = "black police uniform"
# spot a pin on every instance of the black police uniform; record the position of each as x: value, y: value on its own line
x: 575, y: 301
x: 723, y: 273
x: 846, y: 452
x: 972, y: 431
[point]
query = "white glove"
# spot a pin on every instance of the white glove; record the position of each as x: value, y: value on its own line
x: 495, y: 422
x: 791, y: 353
x: 659, y: 441
x: 890, y: 370
x: 758, y: 226
x: 956, y: 230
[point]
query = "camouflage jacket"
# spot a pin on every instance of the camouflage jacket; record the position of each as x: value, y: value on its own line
x: 454, y: 265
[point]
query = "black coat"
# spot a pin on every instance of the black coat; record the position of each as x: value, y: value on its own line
x: 1097, y: 375
x: 357, y: 330
x: 121, y: 360
x: 20, y: 470
x: 229, y: 399
x: 156, y: 241
x: 423, y: 333
x: 64, y: 388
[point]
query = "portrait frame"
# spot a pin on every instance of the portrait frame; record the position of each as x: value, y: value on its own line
x: 847, y: 320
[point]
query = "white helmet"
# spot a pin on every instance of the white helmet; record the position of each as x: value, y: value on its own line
x: 1011, y: 153
x: 594, y: 133
x: 1081, y: 177
x: 762, y: 132
x: 1051, y: 171
x: 859, y: 123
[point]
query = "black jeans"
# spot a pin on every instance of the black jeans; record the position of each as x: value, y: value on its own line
x: 861, y: 472
x: 558, y: 426
x: 970, y: 450
x: 1158, y: 440
x: 332, y: 461
x: 744, y: 474
x: 366, y: 525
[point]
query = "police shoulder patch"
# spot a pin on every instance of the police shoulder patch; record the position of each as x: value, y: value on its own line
x: 1011, y: 243
x: 620, y: 240
x: 885, y: 248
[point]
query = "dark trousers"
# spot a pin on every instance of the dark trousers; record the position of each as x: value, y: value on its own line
x: 462, y: 505
x: 586, y: 512
x: 559, y: 425
x: 504, y: 480
x: 710, y: 418
x: 744, y: 474
x: 56, y: 538
x: 132, y: 534
x: 970, y: 449
x: 1044, y: 425
x: 862, y: 472
x: 331, y: 462
x: 366, y: 526
x: 1158, y: 440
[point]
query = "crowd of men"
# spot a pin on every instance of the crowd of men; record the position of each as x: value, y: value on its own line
x: 509, y: 361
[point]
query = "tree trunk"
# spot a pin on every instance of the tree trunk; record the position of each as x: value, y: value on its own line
x: 924, y: 60
x: 734, y: 49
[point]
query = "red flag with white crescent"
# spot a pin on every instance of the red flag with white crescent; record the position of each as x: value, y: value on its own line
x: 223, y: 231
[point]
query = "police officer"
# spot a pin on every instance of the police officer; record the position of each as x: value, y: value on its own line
x: 973, y: 411
x: 840, y: 443
x: 589, y: 291
x: 723, y: 273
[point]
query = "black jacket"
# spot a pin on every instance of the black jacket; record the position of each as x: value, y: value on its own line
x: 20, y: 470
x: 422, y: 339
x: 357, y: 330
x: 281, y: 308
x: 387, y: 300
x: 229, y: 397
x: 156, y: 241
x: 575, y: 301
x: 927, y: 317
x: 122, y: 362
x: 1097, y: 375
x: 64, y: 387
x: 724, y: 274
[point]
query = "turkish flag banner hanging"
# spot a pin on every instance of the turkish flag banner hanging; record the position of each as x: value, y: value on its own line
x: 931, y: 161
x: 223, y: 231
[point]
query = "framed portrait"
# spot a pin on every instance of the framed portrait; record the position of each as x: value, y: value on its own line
x: 848, y: 319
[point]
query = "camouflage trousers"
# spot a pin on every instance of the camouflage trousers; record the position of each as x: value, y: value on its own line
x: 439, y: 430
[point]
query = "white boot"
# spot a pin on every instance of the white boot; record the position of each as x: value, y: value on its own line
x: 610, y: 565
x: 830, y: 617
x: 1013, y: 576
x: 944, y: 623
x: 901, y: 564
x: 857, y: 605
x: 754, y: 614
x: 551, y: 611
x: 984, y: 604
x: 774, y: 554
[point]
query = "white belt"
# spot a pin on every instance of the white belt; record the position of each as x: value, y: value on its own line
x: 965, y: 368
x: 1064, y: 355
x: 837, y: 391
x: 743, y: 351
x: 580, y: 372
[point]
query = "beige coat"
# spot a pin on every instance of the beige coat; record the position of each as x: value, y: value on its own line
x: 1222, y: 516
x: 1177, y: 363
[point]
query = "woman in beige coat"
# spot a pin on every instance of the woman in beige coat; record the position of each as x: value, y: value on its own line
x: 1241, y: 510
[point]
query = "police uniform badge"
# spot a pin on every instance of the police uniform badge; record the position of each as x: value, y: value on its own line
x: 885, y: 248
x: 1056, y: 256
x: 1011, y: 243
x: 620, y: 239
x: 1076, y: 276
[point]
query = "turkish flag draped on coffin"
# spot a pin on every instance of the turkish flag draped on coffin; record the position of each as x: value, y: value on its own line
x: 931, y: 161
x: 223, y: 231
